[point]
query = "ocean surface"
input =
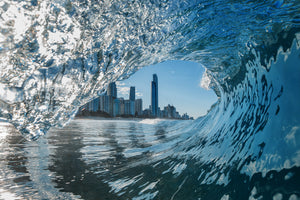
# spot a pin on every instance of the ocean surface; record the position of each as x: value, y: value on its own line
x: 92, y: 159
x: 125, y: 159
x: 58, y: 55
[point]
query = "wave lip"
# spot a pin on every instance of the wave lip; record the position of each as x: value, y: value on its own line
x: 56, y: 56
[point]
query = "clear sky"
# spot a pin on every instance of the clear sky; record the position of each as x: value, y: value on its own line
x: 178, y: 85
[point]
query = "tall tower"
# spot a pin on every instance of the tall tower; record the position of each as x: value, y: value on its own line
x: 112, y: 90
x: 112, y: 95
x: 132, y: 101
x: 154, y: 96
x: 132, y: 94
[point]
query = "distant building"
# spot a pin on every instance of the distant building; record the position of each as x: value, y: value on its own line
x: 170, y: 111
x: 132, y: 101
x: 89, y: 106
x: 104, y: 103
x: 177, y: 116
x: 154, y: 96
x: 112, y: 90
x: 139, y: 107
x: 186, y: 117
x: 132, y: 108
x: 116, y: 109
x: 132, y: 94
x: 109, y: 105
x: 122, y: 106
x: 159, y: 113
x: 147, y: 113
x: 164, y: 114
x: 112, y: 95
x: 95, y: 105
x: 127, y: 107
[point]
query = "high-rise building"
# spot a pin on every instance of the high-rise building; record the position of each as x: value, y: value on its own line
x: 112, y: 95
x: 154, y: 96
x: 127, y: 107
x: 122, y: 106
x: 104, y: 103
x: 95, y: 105
x: 170, y: 111
x: 147, y: 112
x: 132, y: 94
x: 90, y: 106
x: 132, y: 101
x: 112, y: 90
x: 110, y: 105
x: 132, y: 108
x: 116, y: 110
x: 138, y: 107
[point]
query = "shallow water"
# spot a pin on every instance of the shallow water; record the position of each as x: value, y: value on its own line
x: 116, y: 159
x: 82, y: 160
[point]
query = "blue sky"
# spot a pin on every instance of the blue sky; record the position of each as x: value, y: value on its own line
x: 178, y: 85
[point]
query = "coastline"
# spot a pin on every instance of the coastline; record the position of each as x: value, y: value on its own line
x: 110, y: 118
x: 123, y: 118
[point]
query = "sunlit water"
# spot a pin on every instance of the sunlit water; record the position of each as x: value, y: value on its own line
x: 58, y: 55
x: 89, y: 159
x: 121, y: 159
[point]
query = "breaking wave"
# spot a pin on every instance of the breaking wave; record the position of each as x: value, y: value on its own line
x: 58, y: 55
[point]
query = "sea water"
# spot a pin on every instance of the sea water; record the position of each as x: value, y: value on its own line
x: 57, y: 55
x: 91, y: 159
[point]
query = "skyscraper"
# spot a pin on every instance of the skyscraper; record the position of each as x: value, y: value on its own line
x: 112, y: 95
x: 127, y: 107
x: 132, y: 101
x: 122, y: 106
x: 112, y: 90
x: 132, y: 94
x: 154, y: 96
x: 104, y: 103
x: 116, y: 110
x: 138, y: 106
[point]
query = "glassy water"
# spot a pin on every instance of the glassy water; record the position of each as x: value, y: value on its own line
x: 57, y: 55
x: 123, y: 159
x: 88, y: 159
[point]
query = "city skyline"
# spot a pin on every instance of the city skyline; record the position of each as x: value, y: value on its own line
x: 110, y: 105
x: 179, y: 85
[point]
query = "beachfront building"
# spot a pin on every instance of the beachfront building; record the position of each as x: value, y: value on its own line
x: 138, y: 107
x: 112, y: 90
x: 132, y: 94
x: 110, y: 106
x: 154, y: 96
x: 127, y: 107
x: 104, y: 103
x: 122, y: 106
x: 116, y: 108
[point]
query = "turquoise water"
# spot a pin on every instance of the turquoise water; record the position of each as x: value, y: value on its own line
x: 89, y: 159
x: 124, y: 159
x: 57, y: 55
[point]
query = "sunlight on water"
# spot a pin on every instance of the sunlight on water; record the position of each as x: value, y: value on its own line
x: 7, y: 195
x: 3, y: 131
x: 58, y: 55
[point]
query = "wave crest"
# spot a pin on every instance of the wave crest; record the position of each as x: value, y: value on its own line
x: 56, y: 56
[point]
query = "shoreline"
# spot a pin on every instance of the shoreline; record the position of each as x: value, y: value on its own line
x: 109, y: 118
x: 123, y: 118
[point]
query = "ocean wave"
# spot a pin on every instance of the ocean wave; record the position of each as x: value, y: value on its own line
x: 58, y: 55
